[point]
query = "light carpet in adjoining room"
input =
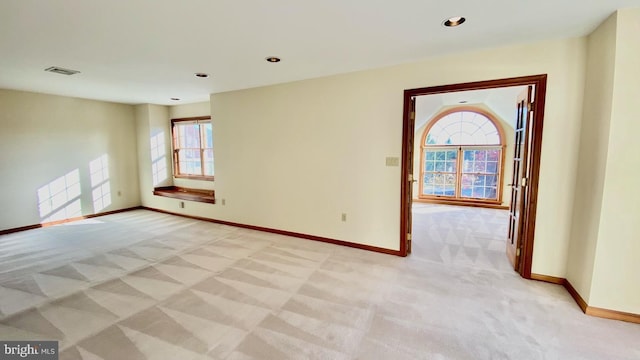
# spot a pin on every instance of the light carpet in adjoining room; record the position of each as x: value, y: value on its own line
x: 461, y: 236
x: 146, y: 285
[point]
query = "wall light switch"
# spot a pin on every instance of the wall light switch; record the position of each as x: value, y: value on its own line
x: 392, y: 161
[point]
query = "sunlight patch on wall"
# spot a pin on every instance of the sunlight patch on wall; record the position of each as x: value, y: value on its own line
x: 100, y: 184
x: 60, y: 199
x: 158, y: 158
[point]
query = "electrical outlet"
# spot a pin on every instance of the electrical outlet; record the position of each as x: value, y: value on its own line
x: 119, y: 193
x: 344, y: 217
x: 181, y: 204
x: 223, y: 201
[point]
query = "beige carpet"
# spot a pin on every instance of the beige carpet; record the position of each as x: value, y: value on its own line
x: 461, y: 236
x: 144, y: 285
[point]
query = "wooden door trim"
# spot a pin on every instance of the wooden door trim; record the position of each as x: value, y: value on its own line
x: 519, y: 190
x: 407, y: 134
x: 540, y: 85
x: 540, y: 88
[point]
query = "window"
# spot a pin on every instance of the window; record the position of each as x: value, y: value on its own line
x: 193, y: 147
x: 461, y: 157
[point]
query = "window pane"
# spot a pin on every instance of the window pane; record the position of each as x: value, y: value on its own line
x: 192, y: 154
x: 427, y: 186
x: 182, y: 167
x: 479, y: 167
x: 479, y: 186
x: 440, y: 165
x: 463, y: 128
x: 480, y: 161
x: 467, y: 180
x: 468, y: 155
x: 492, y: 167
x: 493, y: 155
x: 192, y: 135
x: 208, y: 135
x: 430, y: 166
x: 429, y: 179
x: 450, y: 180
x: 445, y: 184
x: 190, y: 168
x: 188, y: 135
x: 194, y: 167
x: 208, y: 162
x: 491, y: 180
x: 467, y: 166
x: 186, y: 168
x: 478, y: 192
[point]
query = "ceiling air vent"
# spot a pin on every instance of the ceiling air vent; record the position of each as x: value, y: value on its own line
x: 59, y: 70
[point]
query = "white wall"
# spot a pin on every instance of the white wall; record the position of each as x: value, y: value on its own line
x: 190, y: 110
x: 594, y: 141
x: 616, y: 277
x: 153, y: 126
x: 45, y: 137
x: 603, y: 261
x: 295, y: 156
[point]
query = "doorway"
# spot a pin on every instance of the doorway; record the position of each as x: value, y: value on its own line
x: 522, y: 198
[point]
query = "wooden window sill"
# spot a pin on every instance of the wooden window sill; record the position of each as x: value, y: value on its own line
x: 194, y: 177
x: 462, y: 202
x: 177, y: 192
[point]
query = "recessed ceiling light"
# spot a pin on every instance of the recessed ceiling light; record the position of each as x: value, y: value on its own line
x: 454, y: 21
x: 201, y: 75
x: 175, y: 99
x: 272, y: 59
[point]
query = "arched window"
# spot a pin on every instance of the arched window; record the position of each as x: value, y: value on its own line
x: 462, y: 156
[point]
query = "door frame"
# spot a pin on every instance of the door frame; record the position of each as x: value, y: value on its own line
x: 539, y: 83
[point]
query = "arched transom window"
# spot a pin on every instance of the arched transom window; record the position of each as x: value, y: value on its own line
x: 462, y: 156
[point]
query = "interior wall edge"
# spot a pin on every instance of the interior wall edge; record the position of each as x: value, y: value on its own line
x: 600, y: 312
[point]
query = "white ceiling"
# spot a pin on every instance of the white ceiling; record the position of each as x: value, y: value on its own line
x: 502, y: 101
x: 146, y: 51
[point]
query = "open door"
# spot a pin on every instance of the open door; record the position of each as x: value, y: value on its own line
x: 520, y: 178
x: 410, y: 180
x: 522, y: 221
